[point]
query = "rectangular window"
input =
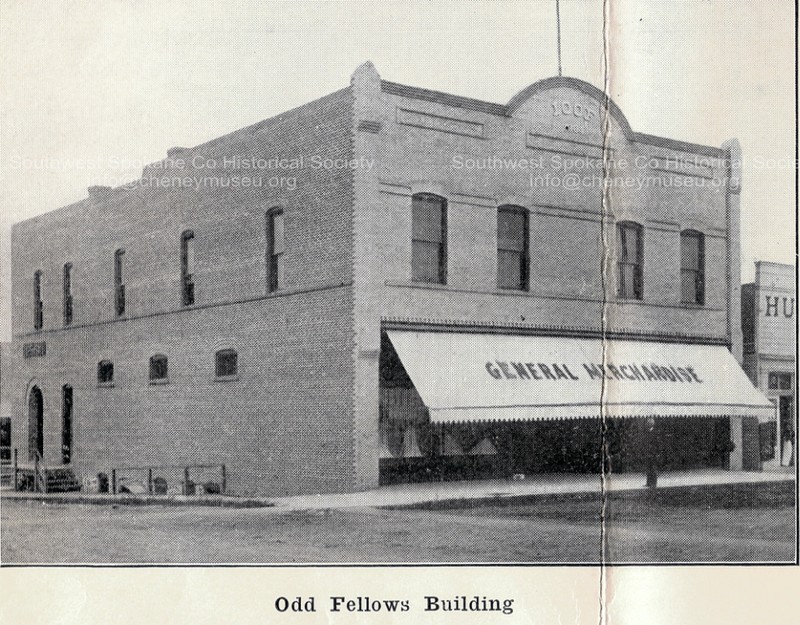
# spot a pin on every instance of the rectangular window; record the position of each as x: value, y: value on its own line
x: 429, y: 239
x: 512, y: 248
x: 119, y: 284
x: 780, y: 381
x: 692, y: 267
x: 227, y: 363
x: 187, y: 268
x: 67, y: 288
x: 629, y: 263
x: 38, y: 306
x: 277, y: 241
x: 158, y: 368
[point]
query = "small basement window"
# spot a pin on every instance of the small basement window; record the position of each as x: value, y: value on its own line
x: 158, y: 369
x: 105, y: 373
x: 227, y: 364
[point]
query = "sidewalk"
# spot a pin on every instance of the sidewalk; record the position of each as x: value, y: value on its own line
x: 434, y: 492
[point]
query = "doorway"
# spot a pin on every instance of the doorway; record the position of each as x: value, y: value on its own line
x: 35, y: 424
x: 66, y: 424
x: 787, y: 448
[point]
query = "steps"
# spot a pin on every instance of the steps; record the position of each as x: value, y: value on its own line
x: 59, y: 479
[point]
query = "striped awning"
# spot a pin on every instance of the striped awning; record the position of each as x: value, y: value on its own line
x: 467, y: 377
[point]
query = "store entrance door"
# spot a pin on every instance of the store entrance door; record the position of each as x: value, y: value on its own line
x: 788, y: 442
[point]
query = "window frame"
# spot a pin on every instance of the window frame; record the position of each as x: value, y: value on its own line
x: 524, y: 260
x: 105, y: 373
x: 66, y: 288
x: 273, y: 257
x: 155, y: 361
x: 119, y: 283
x: 700, y: 272
x: 38, y: 304
x: 622, y: 228
x: 224, y: 377
x: 442, y: 243
x: 188, y: 295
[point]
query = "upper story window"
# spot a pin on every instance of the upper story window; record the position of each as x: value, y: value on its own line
x: 429, y: 238
x: 226, y: 363
x: 158, y: 368
x: 187, y: 268
x: 512, y: 248
x: 693, y: 275
x: 119, y: 282
x: 276, y: 245
x: 38, y: 307
x: 629, y: 260
x: 67, y: 293
x: 105, y: 372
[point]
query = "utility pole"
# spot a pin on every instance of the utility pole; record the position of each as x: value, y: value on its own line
x: 558, y: 34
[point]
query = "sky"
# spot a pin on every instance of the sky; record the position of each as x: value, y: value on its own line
x: 92, y: 91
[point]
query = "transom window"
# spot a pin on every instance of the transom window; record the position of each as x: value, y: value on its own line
x: 692, y: 267
x: 780, y: 381
x: 158, y: 367
x: 227, y: 363
x: 429, y: 238
x: 629, y: 260
x: 276, y: 245
x: 512, y: 248
x: 105, y: 372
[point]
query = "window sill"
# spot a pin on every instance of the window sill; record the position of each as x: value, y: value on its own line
x: 159, y: 381
x: 105, y: 385
x: 226, y: 378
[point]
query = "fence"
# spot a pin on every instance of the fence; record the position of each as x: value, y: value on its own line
x: 194, y: 479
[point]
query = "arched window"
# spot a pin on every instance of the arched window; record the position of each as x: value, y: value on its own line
x: 429, y: 238
x: 158, y: 368
x: 630, y: 257
x: 187, y: 268
x: 38, y: 307
x: 67, y: 292
x: 105, y: 372
x: 226, y: 363
x: 119, y: 282
x: 275, y: 247
x: 693, y: 271
x: 512, y: 248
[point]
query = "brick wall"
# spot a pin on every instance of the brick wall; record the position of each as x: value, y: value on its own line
x: 285, y: 426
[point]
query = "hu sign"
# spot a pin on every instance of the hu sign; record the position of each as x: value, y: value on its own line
x: 775, y: 309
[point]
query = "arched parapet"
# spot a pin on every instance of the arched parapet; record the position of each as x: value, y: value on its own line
x: 570, y: 116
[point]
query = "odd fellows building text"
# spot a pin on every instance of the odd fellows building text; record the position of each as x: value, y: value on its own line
x: 428, y: 603
x: 650, y: 372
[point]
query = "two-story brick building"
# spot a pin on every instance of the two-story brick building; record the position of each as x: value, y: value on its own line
x: 392, y: 283
x: 769, y: 328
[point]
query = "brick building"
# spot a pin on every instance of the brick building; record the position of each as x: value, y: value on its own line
x: 769, y: 328
x: 391, y: 283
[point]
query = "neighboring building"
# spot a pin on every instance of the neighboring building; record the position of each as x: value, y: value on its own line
x: 385, y: 300
x: 769, y: 328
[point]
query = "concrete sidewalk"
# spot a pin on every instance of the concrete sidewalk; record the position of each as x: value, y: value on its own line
x: 432, y: 492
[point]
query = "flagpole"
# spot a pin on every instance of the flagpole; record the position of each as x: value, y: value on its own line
x: 558, y: 34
